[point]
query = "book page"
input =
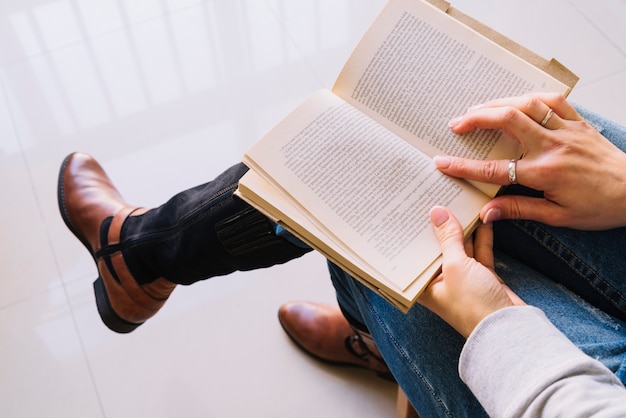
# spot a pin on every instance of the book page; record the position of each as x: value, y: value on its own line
x: 266, y: 198
x: 370, y: 189
x: 417, y: 68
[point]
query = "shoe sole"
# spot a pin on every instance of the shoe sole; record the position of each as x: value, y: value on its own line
x: 110, y: 318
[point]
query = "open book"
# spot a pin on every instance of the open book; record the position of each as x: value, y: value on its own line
x: 350, y: 170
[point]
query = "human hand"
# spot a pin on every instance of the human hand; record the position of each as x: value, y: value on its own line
x: 580, y: 172
x: 468, y: 289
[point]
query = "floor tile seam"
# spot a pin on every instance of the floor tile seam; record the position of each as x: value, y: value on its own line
x: 611, y: 74
x: 25, y: 299
x: 598, y: 28
x: 294, y: 43
x: 40, y: 204
x: 83, y: 348
x: 5, y: 308
x: 22, y: 154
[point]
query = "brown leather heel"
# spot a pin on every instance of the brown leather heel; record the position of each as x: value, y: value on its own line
x: 110, y: 318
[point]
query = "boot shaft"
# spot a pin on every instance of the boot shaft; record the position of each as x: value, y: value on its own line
x: 202, y: 232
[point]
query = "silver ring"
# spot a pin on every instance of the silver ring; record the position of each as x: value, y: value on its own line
x: 512, y: 172
x: 547, y: 117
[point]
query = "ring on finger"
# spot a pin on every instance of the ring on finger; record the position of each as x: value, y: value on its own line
x: 512, y: 171
x: 546, y: 118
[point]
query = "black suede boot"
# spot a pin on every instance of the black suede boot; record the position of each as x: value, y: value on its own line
x: 143, y: 254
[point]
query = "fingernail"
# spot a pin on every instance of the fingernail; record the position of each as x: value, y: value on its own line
x: 475, y: 107
x: 454, y: 122
x: 438, y: 216
x: 442, y: 162
x: 492, y: 215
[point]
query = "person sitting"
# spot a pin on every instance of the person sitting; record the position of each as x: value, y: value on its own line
x: 472, y: 345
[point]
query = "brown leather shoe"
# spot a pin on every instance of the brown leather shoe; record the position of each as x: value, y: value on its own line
x: 324, y: 333
x: 87, y: 197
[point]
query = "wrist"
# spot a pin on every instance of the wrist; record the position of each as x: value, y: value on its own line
x: 618, y: 194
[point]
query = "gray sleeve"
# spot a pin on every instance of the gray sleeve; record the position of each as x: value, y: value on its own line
x: 519, y: 365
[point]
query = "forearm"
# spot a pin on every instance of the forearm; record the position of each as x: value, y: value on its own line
x: 518, y: 364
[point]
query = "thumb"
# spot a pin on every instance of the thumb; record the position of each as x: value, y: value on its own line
x: 448, y: 231
x: 517, y: 207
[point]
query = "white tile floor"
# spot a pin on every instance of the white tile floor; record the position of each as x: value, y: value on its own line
x: 166, y: 94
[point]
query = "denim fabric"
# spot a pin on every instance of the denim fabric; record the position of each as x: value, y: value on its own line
x: 422, y: 351
x: 577, y: 278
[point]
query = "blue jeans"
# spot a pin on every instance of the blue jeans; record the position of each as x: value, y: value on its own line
x: 577, y: 278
